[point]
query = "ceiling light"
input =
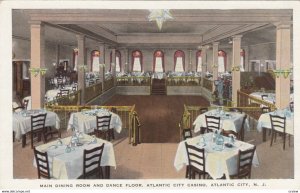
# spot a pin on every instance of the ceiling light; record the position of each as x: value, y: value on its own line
x: 160, y: 16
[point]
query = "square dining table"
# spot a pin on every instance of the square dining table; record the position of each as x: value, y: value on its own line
x: 85, y: 121
x: 69, y: 165
x: 22, y: 122
x: 264, y: 121
x: 230, y: 121
x: 218, y: 161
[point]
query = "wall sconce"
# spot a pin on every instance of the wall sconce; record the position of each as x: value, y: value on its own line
x: 82, y: 67
x: 284, y: 73
x: 215, y: 66
x: 235, y: 68
x: 36, y: 71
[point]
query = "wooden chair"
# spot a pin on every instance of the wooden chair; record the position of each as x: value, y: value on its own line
x: 186, y: 133
x: 60, y: 82
x: 264, y: 96
x: 42, y: 164
x: 91, y: 161
x: 265, y: 109
x: 212, y: 123
x: 278, y: 125
x: 102, y: 127
x: 64, y: 92
x: 244, y: 163
x: 196, y: 162
x: 38, y: 127
x: 241, y: 133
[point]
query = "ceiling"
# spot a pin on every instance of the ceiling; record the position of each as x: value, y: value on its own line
x: 130, y: 28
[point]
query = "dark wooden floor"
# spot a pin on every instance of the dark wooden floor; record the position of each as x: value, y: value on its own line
x: 159, y: 115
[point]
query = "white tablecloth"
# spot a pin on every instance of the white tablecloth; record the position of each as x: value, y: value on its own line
x: 233, y: 122
x: 86, y: 123
x: 271, y: 96
x: 217, y: 162
x: 265, y: 121
x: 70, y: 165
x: 158, y: 75
x: 51, y: 94
x: 22, y: 124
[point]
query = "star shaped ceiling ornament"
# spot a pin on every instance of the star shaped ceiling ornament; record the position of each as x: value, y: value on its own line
x: 160, y: 16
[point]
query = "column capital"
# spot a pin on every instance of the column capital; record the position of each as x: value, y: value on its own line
x: 216, y: 43
x: 283, y: 25
x: 237, y: 37
x: 36, y: 23
x: 80, y: 37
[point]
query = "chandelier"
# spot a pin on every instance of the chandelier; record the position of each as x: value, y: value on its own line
x: 160, y: 16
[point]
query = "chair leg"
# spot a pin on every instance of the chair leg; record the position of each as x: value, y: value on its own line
x: 283, y: 141
x: 272, y: 135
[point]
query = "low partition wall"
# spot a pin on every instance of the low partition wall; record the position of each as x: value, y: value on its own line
x: 184, y: 90
x: 134, y: 81
x: 133, y: 90
x: 108, y: 84
x: 183, y: 81
x: 127, y: 114
x: 92, y: 92
x: 208, y: 84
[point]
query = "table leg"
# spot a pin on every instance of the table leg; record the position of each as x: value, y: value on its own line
x: 264, y: 133
x: 107, y: 172
x: 23, y: 140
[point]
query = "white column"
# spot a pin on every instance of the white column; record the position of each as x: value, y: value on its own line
x: 81, y: 65
x: 283, y: 60
x: 215, y: 62
x: 204, y: 63
x: 236, y: 61
x: 113, y: 64
x: 37, y: 62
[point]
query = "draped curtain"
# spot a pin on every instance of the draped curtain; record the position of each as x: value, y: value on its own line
x: 221, y: 64
x: 242, y: 67
x: 179, y: 61
x: 158, y: 61
x: 137, y: 61
x: 199, y: 61
x: 118, y: 68
x: 75, y: 54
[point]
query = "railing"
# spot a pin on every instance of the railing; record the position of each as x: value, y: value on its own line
x: 92, y: 91
x: 183, y: 81
x: 134, y: 81
x: 208, y: 84
x: 127, y: 114
x: 108, y: 84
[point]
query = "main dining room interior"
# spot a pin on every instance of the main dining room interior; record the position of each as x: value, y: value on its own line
x: 152, y: 94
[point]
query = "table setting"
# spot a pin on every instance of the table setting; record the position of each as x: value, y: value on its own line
x: 230, y: 121
x: 220, y: 153
x: 85, y: 121
x: 66, y: 155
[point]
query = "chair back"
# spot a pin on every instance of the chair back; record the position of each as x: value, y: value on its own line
x: 265, y: 109
x: 92, y: 160
x: 103, y: 122
x: 186, y: 133
x: 38, y: 122
x: 278, y: 123
x: 212, y: 123
x: 264, y: 96
x: 196, y: 157
x: 60, y: 82
x: 64, y: 92
x: 245, y: 159
x: 203, y: 110
x: 42, y: 164
x: 25, y: 103
x: 292, y: 106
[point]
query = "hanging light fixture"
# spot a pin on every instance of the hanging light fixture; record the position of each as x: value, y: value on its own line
x: 160, y: 16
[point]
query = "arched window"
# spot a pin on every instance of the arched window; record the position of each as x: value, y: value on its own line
x: 75, y: 57
x: 137, y: 61
x: 158, y: 61
x: 118, y: 61
x: 198, y: 61
x: 242, y: 67
x: 179, y: 61
x: 222, y: 61
x: 95, y: 58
